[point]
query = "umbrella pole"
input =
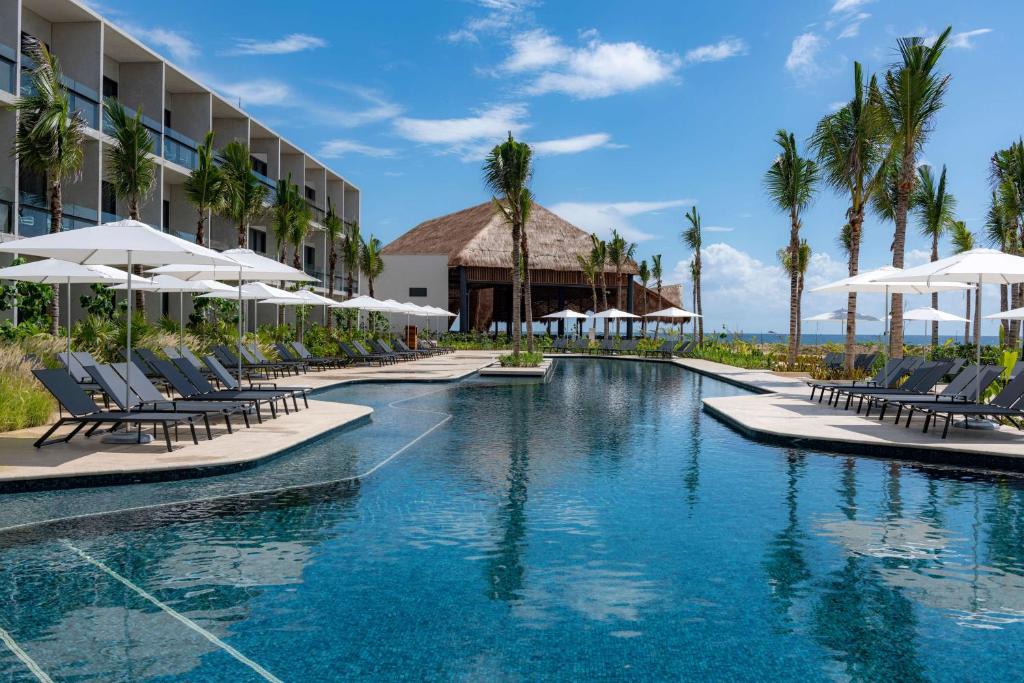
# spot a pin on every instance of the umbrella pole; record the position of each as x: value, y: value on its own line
x: 239, y: 327
x: 69, y: 323
x: 128, y: 353
x: 181, y: 321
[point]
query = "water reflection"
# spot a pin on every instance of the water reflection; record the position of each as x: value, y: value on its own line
x: 785, y: 564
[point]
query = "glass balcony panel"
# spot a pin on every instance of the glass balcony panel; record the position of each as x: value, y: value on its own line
x: 180, y: 153
x: 7, y: 75
x: 6, y: 222
x: 82, y: 98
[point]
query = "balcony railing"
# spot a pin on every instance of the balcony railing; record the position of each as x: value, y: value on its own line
x: 34, y: 216
x: 8, y: 69
x: 6, y: 210
x: 153, y: 127
x: 318, y: 213
x: 180, y: 149
x: 83, y: 99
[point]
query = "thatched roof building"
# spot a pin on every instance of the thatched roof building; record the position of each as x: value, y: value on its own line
x: 477, y: 243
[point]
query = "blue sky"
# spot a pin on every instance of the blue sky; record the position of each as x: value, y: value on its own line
x: 636, y: 111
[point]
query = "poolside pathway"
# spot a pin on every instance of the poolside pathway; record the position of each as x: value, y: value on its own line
x: 89, y: 458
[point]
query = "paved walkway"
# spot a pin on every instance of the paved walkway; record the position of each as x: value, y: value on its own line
x: 90, y: 458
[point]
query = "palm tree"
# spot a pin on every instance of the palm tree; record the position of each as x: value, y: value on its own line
x: 599, y: 255
x: 244, y: 194
x: 48, y: 138
x: 657, y: 274
x: 803, y: 261
x: 507, y: 171
x: 334, y: 227
x: 620, y: 253
x: 589, y: 269
x: 371, y: 263
x: 912, y: 96
x: 282, y: 214
x: 204, y: 187
x: 693, y: 239
x: 849, y: 145
x: 350, y: 252
x: 129, y: 164
x: 791, y: 182
x: 1003, y: 236
x: 643, y: 272
x: 1007, y: 177
x: 963, y: 240
x: 935, y: 209
x: 303, y: 216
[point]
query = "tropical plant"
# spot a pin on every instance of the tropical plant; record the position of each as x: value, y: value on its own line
x: 334, y: 227
x: 791, y: 182
x: 1002, y: 235
x: 244, y: 194
x: 507, y: 171
x: 935, y: 209
x: 693, y: 238
x: 803, y: 262
x: 32, y: 300
x: 204, y: 187
x: 643, y: 272
x: 1007, y: 178
x: 850, y: 147
x: 282, y: 215
x: 963, y: 240
x: 49, y: 137
x: 589, y: 270
x: 350, y: 254
x: 912, y: 96
x: 620, y: 253
x: 302, y: 216
x: 599, y: 255
x: 657, y: 274
x: 371, y: 264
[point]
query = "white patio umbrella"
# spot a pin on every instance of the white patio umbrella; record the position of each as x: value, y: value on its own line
x: 120, y: 243
x: 57, y: 271
x: 168, y: 284
x: 839, y: 314
x: 672, y: 312
x: 613, y: 313
x: 567, y: 314
x: 932, y: 315
x: 1012, y: 314
x: 975, y: 266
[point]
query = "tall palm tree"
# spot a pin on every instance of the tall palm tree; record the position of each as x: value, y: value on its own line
x: 643, y: 272
x: 371, y: 263
x: 1007, y: 177
x: 620, y: 253
x: 204, y: 187
x: 507, y: 171
x: 693, y: 238
x: 303, y: 216
x: 1003, y: 236
x: 129, y: 164
x: 350, y: 253
x: 589, y: 270
x: 803, y: 262
x: 963, y: 240
x: 935, y: 209
x: 334, y: 227
x: 912, y: 96
x: 49, y: 137
x: 282, y: 214
x: 657, y: 275
x: 244, y: 194
x: 791, y: 182
x: 850, y: 147
x: 599, y: 255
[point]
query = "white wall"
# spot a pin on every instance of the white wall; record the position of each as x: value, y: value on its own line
x: 404, y: 271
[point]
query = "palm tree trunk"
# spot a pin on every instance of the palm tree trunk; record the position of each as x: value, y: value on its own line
x: 1015, y: 302
x: 794, y: 290
x: 657, y: 323
x: 140, y: 298
x: 899, y: 243
x: 332, y: 264
x: 527, y: 292
x: 241, y: 235
x: 853, y: 267
x: 517, y: 244
x: 935, y: 295
x: 201, y: 228
x: 618, y: 296
x: 1004, y: 299
x: 977, y: 318
x: 56, y: 217
x: 604, y: 299
x: 699, y: 304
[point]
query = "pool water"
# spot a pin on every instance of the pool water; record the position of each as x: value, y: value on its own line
x: 599, y: 526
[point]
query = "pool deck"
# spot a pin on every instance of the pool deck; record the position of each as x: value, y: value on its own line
x: 781, y: 413
x: 85, y: 461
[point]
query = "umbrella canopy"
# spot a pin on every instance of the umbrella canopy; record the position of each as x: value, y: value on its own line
x: 59, y: 272
x: 976, y: 266
x: 613, y: 313
x: 1012, y: 314
x: 434, y: 310
x: 363, y: 303
x: 567, y: 314
x: 870, y: 282
x: 253, y: 267
x: 934, y: 315
x: 165, y: 283
x: 672, y: 312
x: 839, y: 314
x: 252, y: 291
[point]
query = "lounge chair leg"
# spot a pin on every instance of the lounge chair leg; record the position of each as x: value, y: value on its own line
x: 167, y: 437
x: 910, y: 414
x: 227, y: 422
x: 305, y: 399
x: 42, y: 441
x: 245, y: 417
x: 927, y: 421
x: 192, y: 429
x: 74, y: 431
x: 949, y: 418
x: 206, y: 421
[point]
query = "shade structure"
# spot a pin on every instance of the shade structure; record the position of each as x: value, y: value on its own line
x: 168, y: 284
x: 363, y: 303
x: 440, y: 311
x: 870, y: 282
x: 1012, y: 314
x: 120, y: 243
x: 252, y: 291
x: 58, y: 271
x: 839, y: 314
x: 934, y: 315
x: 567, y: 314
x: 672, y: 312
x: 613, y: 313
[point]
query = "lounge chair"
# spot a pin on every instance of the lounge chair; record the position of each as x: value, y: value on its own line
x: 204, y: 391
x: 82, y: 411
x: 434, y: 346
x: 360, y: 349
x: 893, y: 371
x: 559, y: 345
x: 663, y: 351
x: 1003, y: 404
x: 298, y: 350
x: 628, y: 346
x: 382, y: 347
x: 232, y: 384
x: 356, y: 358
x: 966, y: 387
x: 296, y: 364
x: 74, y: 368
x: 685, y: 349
x: 261, y: 362
x: 399, y: 345
x: 921, y: 381
x: 607, y: 347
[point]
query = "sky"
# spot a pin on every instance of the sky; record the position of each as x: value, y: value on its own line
x: 636, y: 112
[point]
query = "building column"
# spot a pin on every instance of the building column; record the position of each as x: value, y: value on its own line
x: 561, y: 307
x: 629, y: 307
x: 463, y: 301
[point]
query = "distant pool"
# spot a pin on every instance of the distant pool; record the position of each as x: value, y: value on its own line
x: 600, y: 526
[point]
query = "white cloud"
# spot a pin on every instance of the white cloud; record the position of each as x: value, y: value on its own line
x: 470, y: 136
x: 916, y: 257
x: 500, y: 15
x: 177, y: 45
x: 845, y: 6
x: 293, y: 42
x: 333, y: 149
x: 378, y: 108
x: 716, y: 228
x: 261, y: 91
x: 837, y: 105
x: 573, y: 145
x: 602, y: 217
x: 963, y: 40
x: 596, y: 69
x: 852, y: 29
x: 723, y: 49
x: 802, y: 61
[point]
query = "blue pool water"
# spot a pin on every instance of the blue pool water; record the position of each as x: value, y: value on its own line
x: 599, y: 526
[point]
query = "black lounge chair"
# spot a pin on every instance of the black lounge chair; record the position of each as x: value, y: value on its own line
x: 686, y: 349
x: 434, y: 346
x: 356, y: 358
x: 891, y: 373
x: 82, y: 411
x: 559, y: 345
x: 382, y: 347
x: 288, y: 353
x: 921, y: 381
x: 966, y: 387
x: 665, y: 350
x: 607, y: 347
x: 1004, y: 404
x: 204, y: 391
x: 73, y: 366
x: 361, y: 350
x: 628, y: 346
x: 231, y: 383
x: 307, y: 355
x: 399, y: 345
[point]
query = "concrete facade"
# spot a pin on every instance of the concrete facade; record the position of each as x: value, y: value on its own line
x: 97, y: 58
x: 419, y: 278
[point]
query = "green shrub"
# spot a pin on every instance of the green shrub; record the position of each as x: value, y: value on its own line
x: 521, y: 360
x: 23, y: 401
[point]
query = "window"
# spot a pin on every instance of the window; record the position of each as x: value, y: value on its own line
x: 167, y: 118
x: 417, y: 291
x: 259, y: 166
x: 165, y: 304
x: 310, y: 193
x: 310, y: 257
x: 166, y: 215
x: 258, y: 241
x: 109, y: 88
x: 108, y: 200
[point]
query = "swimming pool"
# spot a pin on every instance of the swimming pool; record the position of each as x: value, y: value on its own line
x: 597, y: 526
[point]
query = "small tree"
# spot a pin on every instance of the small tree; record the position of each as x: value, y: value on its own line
x: 244, y: 194
x: 657, y: 275
x: 644, y: 273
x: 204, y: 187
x: 334, y: 227
x: 693, y: 238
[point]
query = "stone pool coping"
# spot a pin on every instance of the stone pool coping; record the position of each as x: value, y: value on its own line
x: 496, y: 370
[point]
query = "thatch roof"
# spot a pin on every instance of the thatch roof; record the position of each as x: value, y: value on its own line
x: 480, y: 237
